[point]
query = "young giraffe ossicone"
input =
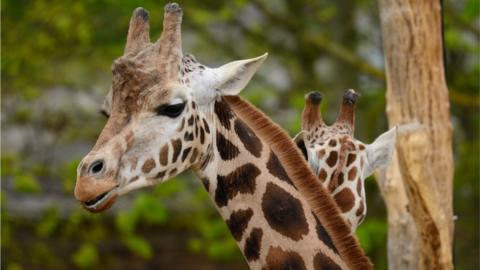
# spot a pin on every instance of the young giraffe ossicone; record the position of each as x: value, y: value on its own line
x: 342, y: 162
x: 168, y: 113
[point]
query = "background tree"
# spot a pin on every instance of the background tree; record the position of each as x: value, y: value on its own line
x: 417, y: 188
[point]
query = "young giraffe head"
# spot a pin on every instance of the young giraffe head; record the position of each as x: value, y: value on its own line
x: 342, y: 162
x: 159, y: 113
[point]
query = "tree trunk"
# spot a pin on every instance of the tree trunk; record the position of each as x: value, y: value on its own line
x: 417, y: 187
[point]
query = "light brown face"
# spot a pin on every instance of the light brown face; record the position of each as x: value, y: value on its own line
x: 159, y: 113
x: 150, y: 122
x: 146, y: 105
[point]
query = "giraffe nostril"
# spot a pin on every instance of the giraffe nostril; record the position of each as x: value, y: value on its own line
x: 96, y: 167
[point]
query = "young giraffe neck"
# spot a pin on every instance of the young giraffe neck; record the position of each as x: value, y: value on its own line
x: 273, y: 223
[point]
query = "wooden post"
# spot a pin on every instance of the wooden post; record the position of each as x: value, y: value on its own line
x: 417, y: 187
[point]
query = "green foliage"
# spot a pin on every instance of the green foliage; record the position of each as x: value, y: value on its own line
x: 68, y: 174
x: 213, y: 237
x: 86, y: 256
x: 26, y: 182
x: 139, y: 246
x: 50, y: 220
x: 150, y: 210
x: 372, y: 234
x: 14, y: 266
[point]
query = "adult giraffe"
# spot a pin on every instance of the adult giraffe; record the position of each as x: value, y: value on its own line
x: 168, y: 113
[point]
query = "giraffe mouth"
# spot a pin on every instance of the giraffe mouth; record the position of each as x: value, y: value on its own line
x: 102, y: 202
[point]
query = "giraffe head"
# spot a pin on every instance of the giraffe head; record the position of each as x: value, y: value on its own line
x: 342, y: 162
x: 159, y: 113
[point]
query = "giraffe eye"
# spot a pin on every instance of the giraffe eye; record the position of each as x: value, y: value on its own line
x: 171, y: 111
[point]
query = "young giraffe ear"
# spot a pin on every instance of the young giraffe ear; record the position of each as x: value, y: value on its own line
x: 380, y: 152
x: 234, y: 76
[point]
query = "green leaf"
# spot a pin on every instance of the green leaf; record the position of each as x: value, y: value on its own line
x: 139, y: 246
x: 14, y: 266
x: 150, y: 209
x: 86, y: 256
x: 48, y: 223
x: 126, y: 222
x: 25, y: 182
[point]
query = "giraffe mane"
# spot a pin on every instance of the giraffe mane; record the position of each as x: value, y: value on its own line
x: 321, y: 201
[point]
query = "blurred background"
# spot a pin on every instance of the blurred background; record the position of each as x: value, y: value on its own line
x: 55, y: 69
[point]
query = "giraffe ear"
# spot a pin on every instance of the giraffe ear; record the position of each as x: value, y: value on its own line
x: 234, y: 76
x: 380, y: 152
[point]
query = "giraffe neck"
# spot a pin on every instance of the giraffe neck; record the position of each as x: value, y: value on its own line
x: 273, y: 223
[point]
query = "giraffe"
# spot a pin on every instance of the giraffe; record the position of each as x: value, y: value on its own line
x: 341, y: 162
x: 168, y: 113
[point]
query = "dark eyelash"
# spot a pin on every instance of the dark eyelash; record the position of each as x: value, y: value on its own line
x: 171, y: 111
x: 104, y: 113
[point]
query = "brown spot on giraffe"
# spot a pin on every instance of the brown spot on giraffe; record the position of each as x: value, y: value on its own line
x: 352, y: 173
x: 185, y: 153
x: 321, y: 154
x: 350, y: 159
x: 276, y: 169
x: 360, y: 209
x: 332, y: 142
x: 253, y: 244
x: 278, y: 259
x: 324, y: 236
x: 241, y: 180
x: 202, y: 135
x: 164, y: 155
x: 205, y: 183
x: 359, y: 187
x: 188, y: 136
x: 205, y: 125
x: 345, y: 199
x: 322, y: 175
x: 226, y: 149
x: 238, y: 222
x: 194, y: 156
x: 250, y: 141
x: 160, y: 174
x: 332, y: 158
x: 148, y: 165
x: 322, y: 262
x: 177, y: 147
x: 335, y: 184
x: 224, y: 114
x: 172, y: 172
x: 284, y: 213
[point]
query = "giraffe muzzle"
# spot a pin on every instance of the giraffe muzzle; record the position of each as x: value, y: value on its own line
x: 102, y: 202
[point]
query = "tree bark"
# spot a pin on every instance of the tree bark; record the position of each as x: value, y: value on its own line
x: 417, y: 187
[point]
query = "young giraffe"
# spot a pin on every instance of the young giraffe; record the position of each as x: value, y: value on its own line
x: 168, y: 113
x: 341, y: 162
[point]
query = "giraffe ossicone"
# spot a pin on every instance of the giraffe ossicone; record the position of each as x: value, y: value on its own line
x: 342, y: 162
x: 168, y: 113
